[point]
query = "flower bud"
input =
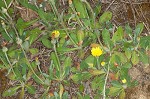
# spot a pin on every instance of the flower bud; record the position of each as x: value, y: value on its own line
x: 37, y: 62
x: 70, y: 2
x: 5, y: 49
x: 4, y: 10
x: 103, y: 63
x: 55, y: 34
x: 19, y: 41
x: 3, y: 24
x: 124, y: 81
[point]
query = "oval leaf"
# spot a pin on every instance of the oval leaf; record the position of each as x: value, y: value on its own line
x: 10, y: 91
x: 135, y: 58
x: 106, y: 16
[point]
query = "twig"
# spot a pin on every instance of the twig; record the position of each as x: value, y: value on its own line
x: 131, y: 5
x: 110, y: 5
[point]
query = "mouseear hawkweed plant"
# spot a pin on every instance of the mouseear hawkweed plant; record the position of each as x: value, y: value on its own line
x: 88, y: 56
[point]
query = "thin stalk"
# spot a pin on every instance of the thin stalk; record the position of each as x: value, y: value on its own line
x: 7, y: 33
x: 30, y: 64
x: 98, y: 64
x: 22, y: 91
x: 9, y: 63
x: 4, y: 62
x: 59, y: 68
x: 45, y: 93
x: 5, y: 3
x: 104, y: 89
x: 40, y: 70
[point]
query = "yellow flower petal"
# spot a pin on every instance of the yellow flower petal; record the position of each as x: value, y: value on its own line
x: 55, y: 34
x: 103, y: 63
x: 124, y: 80
x: 96, y: 51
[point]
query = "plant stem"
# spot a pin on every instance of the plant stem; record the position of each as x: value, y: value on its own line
x: 104, y: 89
x: 10, y: 64
x: 4, y: 62
x: 59, y: 67
x: 40, y: 70
x: 98, y: 64
x: 30, y: 64
x: 45, y: 92
x: 7, y: 33
x: 22, y: 92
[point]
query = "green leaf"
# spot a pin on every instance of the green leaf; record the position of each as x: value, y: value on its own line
x: 95, y: 72
x: 74, y: 37
x: 66, y: 66
x: 65, y: 49
x: 80, y: 36
x: 116, y: 84
x: 47, y: 43
x: 65, y: 95
x: 30, y: 89
x: 122, y: 95
x: 118, y: 35
x: 114, y: 91
x: 80, y: 7
x: 34, y: 34
x: 10, y: 91
x: 11, y: 76
x: 26, y: 45
x: 135, y: 58
x: 139, y: 28
x: 21, y: 25
x: 128, y: 53
x: 33, y: 51
x: 128, y: 29
x: 144, y: 58
x: 106, y: 16
x: 37, y: 79
x: 86, y: 97
x: 106, y: 36
x: 121, y: 56
x: 90, y: 60
x: 97, y: 9
x: 68, y: 62
x: 80, y: 77
x: 76, y: 77
x: 42, y: 14
x: 127, y: 65
x: 54, y: 58
x: 81, y: 88
x: 85, y: 76
x: 28, y: 5
x: 145, y: 42
x: 24, y: 70
x: 18, y: 73
x: 97, y: 82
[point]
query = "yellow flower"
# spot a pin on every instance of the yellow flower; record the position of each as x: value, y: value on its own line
x: 124, y: 80
x: 55, y: 34
x: 103, y: 63
x: 96, y: 51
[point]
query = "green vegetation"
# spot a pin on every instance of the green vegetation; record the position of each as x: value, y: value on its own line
x: 86, y: 50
